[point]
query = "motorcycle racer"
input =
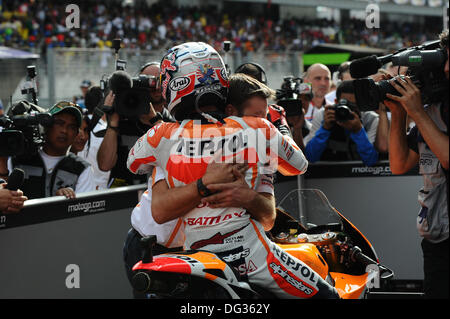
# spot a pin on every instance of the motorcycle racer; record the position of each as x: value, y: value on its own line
x: 194, y: 83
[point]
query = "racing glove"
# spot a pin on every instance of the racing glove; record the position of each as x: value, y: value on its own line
x: 277, y: 116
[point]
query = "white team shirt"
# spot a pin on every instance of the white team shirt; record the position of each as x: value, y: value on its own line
x: 101, y: 178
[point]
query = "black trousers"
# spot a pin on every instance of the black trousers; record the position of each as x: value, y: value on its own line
x: 132, y: 253
x: 436, y: 269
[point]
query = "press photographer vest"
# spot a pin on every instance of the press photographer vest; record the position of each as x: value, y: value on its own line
x: 39, y: 184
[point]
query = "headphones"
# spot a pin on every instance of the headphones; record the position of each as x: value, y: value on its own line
x: 241, y: 69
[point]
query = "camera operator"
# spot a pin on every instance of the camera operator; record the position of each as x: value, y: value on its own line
x: 53, y: 171
x: 343, y: 133
x: 296, y: 103
x: 122, y: 133
x: 382, y: 137
x: 427, y: 144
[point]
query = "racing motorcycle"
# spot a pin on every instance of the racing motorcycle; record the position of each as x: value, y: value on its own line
x: 307, y: 226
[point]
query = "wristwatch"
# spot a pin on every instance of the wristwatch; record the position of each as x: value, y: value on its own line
x: 202, y: 189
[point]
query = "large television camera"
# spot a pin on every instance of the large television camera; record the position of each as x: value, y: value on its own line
x: 425, y: 68
x: 289, y: 95
x: 132, y: 94
x: 23, y: 129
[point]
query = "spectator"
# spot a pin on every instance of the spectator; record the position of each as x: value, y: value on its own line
x: 121, y: 135
x: 330, y: 139
x: 320, y: 78
x: 52, y: 171
x: 32, y: 24
x: 82, y: 138
x: 79, y: 99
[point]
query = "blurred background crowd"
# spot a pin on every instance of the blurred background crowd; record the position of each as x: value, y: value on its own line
x: 37, y: 24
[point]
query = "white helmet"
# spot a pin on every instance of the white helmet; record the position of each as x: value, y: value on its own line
x: 193, y: 74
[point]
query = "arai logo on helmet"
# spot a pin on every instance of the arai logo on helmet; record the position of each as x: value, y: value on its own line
x: 179, y: 83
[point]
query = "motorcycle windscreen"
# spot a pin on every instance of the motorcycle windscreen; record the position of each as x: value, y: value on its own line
x: 311, y: 208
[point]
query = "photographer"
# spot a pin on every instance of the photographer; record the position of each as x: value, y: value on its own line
x: 295, y: 97
x: 53, y: 171
x: 343, y: 132
x: 122, y: 133
x: 427, y: 144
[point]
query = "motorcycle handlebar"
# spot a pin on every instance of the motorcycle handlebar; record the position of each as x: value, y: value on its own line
x: 357, y: 255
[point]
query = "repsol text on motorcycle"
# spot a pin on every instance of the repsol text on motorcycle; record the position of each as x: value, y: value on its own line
x: 306, y: 227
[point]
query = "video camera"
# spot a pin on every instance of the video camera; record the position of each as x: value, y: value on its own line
x: 289, y: 95
x: 22, y: 133
x: 132, y: 95
x: 425, y: 68
x: 22, y: 127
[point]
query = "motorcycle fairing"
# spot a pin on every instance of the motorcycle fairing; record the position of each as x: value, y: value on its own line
x: 197, y: 263
x: 350, y: 286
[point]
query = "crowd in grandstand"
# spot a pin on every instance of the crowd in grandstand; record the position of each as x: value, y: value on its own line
x: 30, y: 23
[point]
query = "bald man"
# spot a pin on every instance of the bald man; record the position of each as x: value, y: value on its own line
x: 155, y: 94
x: 320, y: 78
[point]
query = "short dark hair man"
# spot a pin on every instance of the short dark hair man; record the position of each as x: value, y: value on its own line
x: 53, y: 171
x: 427, y: 144
x: 330, y: 139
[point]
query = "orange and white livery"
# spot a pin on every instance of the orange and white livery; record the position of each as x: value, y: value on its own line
x: 184, y: 150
